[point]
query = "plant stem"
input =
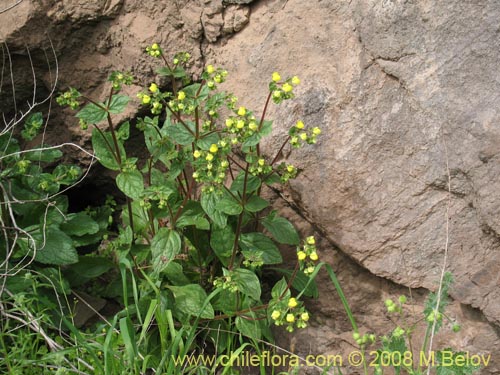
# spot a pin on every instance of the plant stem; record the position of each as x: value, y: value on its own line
x: 240, y: 219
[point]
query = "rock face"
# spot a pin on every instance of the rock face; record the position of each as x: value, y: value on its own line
x: 407, y: 94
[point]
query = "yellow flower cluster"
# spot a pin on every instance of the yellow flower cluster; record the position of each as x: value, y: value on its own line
x: 154, y: 50
x: 293, y: 314
x: 242, y: 126
x: 213, y: 76
x: 307, y: 255
x: 298, y: 134
x: 282, y: 90
x: 211, y: 165
x: 153, y: 97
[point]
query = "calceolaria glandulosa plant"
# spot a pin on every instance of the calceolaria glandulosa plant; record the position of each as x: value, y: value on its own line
x: 195, y: 229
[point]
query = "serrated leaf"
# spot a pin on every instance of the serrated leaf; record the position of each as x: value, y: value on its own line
x: 280, y: 289
x: 229, y: 206
x: 104, y: 149
x: 79, y: 224
x: 300, y: 281
x: 193, y: 214
x: 190, y: 299
x: 165, y: 246
x: 256, y: 204
x: 253, y: 183
x: 249, y: 327
x: 46, y: 155
x: 123, y: 132
x: 206, y: 141
x: 56, y: 248
x: 118, y: 104
x: 208, y: 203
x: 92, y: 114
x: 182, y: 134
x: 130, y: 183
x: 248, y: 283
x: 177, y: 72
x: 282, y: 230
x: 259, y: 242
x: 222, y: 242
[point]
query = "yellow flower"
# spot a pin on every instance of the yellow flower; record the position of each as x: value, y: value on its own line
x: 304, y: 316
x: 155, y: 46
x: 275, y: 315
x: 292, y: 302
x: 146, y: 99
x: 277, y: 94
x: 209, y: 157
x: 295, y: 80
x: 240, y: 124
x: 290, y: 168
x: 181, y: 95
x: 261, y: 162
x: 242, y: 111
x: 314, y: 256
x: 310, y: 240
x: 301, y: 255
x: 316, y: 131
x: 214, y: 148
x: 210, y: 69
x: 290, y: 318
x: 253, y: 126
x: 303, y: 136
x: 287, y: 87
x: 153, y: 88
x: 197, y: 154
x: 229, y: 122
x: 299, y: 125
x: 276, y: 77
x: 310, y: 269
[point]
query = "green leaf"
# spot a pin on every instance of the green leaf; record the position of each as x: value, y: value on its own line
x: 281, y: 229
x: 249, y: 327
x: 190, y: 299
x: 193, y: 214
x: 205, y: 142
x: 79, y: 224
x: 56, y: 248
x: 165, y: 246
x: 449, y: 362
x: 256, y: 204
x: 248, y: 283
x: 127, y: 333
x: 131, y: 183
x: 222, y: 242
x: 279, y: 288
x: 229, y: 206
x: 104, y: 149
x: 267, y: 128
x: 208, y: 202
x: 118, y: 104
x: 259, y: 242
x: 253, y: 183
x: 300, y: 281
x: 251, y: 141
x: 92, y: 114
x: 180, y: 133
x: 87, y: 268
x: 174, y: 272
x: 178, y: 72
x: 123, y: 132
x: 46, y: 155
